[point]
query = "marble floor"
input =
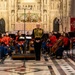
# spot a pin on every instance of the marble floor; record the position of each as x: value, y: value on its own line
x: 46, y: 66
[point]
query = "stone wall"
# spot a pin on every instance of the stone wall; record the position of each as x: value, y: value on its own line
x: 29, y: 26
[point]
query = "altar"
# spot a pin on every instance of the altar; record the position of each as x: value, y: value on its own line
x: 29, y: 26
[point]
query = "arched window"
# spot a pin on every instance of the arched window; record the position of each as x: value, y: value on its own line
x: 56, y: 25
x: 2, y: 25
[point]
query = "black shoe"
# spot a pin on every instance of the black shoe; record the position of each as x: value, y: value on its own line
x: 37, y: 59
x: 53, y: 54
x: 58, y: 57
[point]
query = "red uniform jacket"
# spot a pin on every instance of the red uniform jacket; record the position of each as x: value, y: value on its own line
x: 53, y: 40
x: 6, y: 40
x: 0, y: 40
x: 65, y: 41
x: 19, y: 42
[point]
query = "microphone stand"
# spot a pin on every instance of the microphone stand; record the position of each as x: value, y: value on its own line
x: 24, y: 40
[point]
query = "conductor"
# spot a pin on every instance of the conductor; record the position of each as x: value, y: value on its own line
x: 37, y: 36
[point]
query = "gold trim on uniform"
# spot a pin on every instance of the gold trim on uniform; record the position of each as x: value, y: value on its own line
x: 38, y: 33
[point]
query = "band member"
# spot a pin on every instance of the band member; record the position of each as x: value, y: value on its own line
x: 52, y: 39
x: 37, y: 36
x: 6, y: 39
x: 20, y: 42
x: 66, y: 42
x: 0, y: 37
x: 28, y: 38
x: 5, y: 43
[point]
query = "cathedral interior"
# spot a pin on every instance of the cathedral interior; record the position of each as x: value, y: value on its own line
x: 42, y: 52
x: 53, y: 15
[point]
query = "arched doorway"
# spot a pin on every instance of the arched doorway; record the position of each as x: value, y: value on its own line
x: 2, y: 25
x: 56, y: 25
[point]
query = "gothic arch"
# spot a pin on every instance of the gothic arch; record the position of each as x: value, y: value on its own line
x: 56, y: 24
x: 2, y: 25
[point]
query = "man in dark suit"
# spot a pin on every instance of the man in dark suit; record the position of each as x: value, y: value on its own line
x: 37, y: 36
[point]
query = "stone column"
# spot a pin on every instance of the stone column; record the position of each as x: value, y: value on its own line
x: 42, y: 12
x: 65, y: 15
x: 68, y: 15
x: 16, y: 8
x: 48, y: 16
x: 13, y: 15
x: 9, y: 15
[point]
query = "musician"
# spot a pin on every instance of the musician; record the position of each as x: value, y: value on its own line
x: 3, y: 51
x: 56, y: 44
x: 0, y: 37
x: 28, y: 39
x: 66, y: 42
x: 37, y: 36
x: 52, y: 38
x: 20, y: 42
x: 59, y: 47
x: 6, y: 39
x: 5, y: 43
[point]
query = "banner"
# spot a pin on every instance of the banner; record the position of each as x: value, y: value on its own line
x: 72, y: 23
